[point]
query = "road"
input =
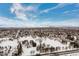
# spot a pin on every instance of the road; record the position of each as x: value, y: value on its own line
x: 59, y: 53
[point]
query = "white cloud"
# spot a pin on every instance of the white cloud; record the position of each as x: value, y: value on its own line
x: 21, y: 12
x: 18, y: 9
x: 69, y: 22
x: 72, y: 12
x: 31, y: 8
x: 6, y: 22
x: 60, y: 5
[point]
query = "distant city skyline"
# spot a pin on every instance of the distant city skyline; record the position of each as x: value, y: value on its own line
x: 39, y: 14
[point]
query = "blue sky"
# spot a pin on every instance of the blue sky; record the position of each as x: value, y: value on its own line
x: 39, y: 14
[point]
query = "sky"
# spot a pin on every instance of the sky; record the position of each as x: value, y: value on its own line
x: 39, y: 14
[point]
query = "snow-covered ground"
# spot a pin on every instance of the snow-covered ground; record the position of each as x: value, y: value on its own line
x: 8, y: 47
x: 72, y: 54
x: 5, y: 42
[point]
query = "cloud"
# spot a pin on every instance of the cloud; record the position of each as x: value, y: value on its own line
x: 68, y: 23
x: 18, y: 9
x: 22, y: 12
x: 6, y: 22
x: 72, y: 12
x: 32, y: 8
x: 60, y: 5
